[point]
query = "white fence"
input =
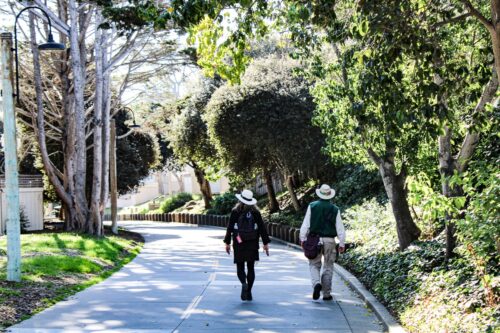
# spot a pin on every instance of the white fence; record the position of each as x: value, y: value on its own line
x: 30, y: 201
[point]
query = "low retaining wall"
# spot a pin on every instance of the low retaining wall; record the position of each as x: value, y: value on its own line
x: 281, y: 231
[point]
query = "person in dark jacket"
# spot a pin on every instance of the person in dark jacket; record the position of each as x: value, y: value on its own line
x: 244, y: 229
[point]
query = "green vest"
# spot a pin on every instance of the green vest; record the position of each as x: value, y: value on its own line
x: 323, y: 218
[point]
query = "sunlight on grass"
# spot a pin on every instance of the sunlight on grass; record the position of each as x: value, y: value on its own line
x: 57, y: 265
x: 54, y: 265
x: 107, y: 249
x: 55, y: 253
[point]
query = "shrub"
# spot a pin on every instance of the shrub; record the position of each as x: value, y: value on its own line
x: 23, y: 220
x: 424, y: 291
x: 354, y: 184
x: 144, y: 210
x: 371, y: 224
x: 223, y: 204
x: 287, y: 218
x: 175, y: 201
x: 479, y: 229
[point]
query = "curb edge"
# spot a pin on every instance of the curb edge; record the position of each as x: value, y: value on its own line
x: 388, y: 322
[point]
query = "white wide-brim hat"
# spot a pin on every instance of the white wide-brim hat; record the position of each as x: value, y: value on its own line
x: 246, y: 197
x: 325, y: 192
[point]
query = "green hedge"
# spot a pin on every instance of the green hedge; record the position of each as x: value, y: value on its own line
x: 223, y: 204
x: 175, y: 201
x: 287, y: 218
x: 354, y: 184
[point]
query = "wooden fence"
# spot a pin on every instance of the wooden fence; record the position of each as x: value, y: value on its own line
x: 280, y: 231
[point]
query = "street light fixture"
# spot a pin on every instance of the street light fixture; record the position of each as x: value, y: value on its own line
x: 113, y: 181
x: 50, y: 45
x: 10, y: 151
x: 134, y: 124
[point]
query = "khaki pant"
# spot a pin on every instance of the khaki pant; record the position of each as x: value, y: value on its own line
x: 328, y: 254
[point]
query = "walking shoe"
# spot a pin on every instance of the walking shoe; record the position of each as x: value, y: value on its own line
x: 249, y: 295
x: 317, y: 289
x: 328, y: 298
x: 244, y: 292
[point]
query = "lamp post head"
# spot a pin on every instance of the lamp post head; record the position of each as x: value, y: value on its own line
x: 51, y: 45
x: 134, y: 126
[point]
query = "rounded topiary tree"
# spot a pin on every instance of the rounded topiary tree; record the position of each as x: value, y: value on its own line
x: 265, y: 122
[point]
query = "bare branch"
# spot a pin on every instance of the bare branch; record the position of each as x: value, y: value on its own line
x: 57, y: 23
x: 453, y: 20
x: 123, y: 136
x: 472, y: 138
x: 123, y: 52
x: 374, y: 156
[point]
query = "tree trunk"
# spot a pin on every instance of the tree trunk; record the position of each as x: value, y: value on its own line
x: 448, y: 164
x: 394, y: 185
x: 271, y: 194
x: 491, y: 24
x: 40, y: 129
x: 472, y: 138
x: 293, y: 195
x: 71, y: 66
x: 106, y: 115
x: 179, y: 181
x: 78, y: 114
x: 95, y: 225
x: 206, y: 192
x: 71, y: 188
x: 495, y: 33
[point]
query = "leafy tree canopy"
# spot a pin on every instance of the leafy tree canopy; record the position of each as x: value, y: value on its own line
x: 187, y: 132
x: 265, y: 122
x: 136, y: 155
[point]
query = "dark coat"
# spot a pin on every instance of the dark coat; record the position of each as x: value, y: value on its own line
x: 246, y: 251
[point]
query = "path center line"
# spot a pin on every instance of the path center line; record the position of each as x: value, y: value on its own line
x: 194, y: 303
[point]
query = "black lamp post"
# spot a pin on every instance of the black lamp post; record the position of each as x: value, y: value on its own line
x: 134, y: 125
x: 50, y: 45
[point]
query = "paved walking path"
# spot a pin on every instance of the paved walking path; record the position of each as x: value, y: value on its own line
x: 183, y: 281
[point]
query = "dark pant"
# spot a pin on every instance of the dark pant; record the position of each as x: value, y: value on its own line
x: 248, y: 277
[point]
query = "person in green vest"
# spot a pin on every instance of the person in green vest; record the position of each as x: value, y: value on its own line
x: 323, y: 219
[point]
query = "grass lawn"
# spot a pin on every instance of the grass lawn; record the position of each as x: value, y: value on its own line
x: 57, y: 265
x: 142, y: 208
x: 196, y: 206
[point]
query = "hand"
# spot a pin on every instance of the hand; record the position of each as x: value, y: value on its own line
x: 266, y: 249
x: 341, y: 249
x: 228, y: 249
x: 302, y: 244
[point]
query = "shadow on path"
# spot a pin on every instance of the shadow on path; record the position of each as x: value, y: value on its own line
x: 183, y: 281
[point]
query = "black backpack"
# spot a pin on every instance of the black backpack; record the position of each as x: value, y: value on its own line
x: 246, y: 227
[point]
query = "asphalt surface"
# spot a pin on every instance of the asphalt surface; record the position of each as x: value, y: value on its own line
x: 183, y: 281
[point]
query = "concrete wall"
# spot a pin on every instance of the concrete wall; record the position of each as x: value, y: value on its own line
x: 143, y: 194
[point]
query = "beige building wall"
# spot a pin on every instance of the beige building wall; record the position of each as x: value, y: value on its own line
x: 168, y: 183
x: 146, y: 192
x: 185, y: 181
